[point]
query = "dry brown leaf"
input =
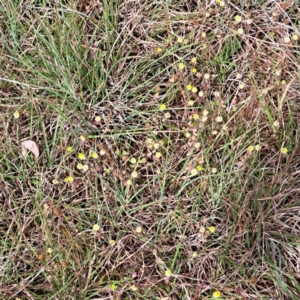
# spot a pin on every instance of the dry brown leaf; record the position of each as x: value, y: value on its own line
x: 31, y: 146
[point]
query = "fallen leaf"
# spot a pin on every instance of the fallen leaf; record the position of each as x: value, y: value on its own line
x: 31, y: 146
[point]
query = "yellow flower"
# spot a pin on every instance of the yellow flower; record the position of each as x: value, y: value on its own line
x: 49, y: 250
x: 194, y: 172
x: 112, y: 242
x: 217, y: 294
x: 158, y: 155
x: 189, y: 87
x: 219, y: 119
x: 159, y: 50
x: 69, y: 179
x: 238, y: 19
x: 194, y: 89
x: 197, y: 145
x: 79, y: 166
x: 82, y: 138
x: 196, y: 117
x: 284, y: 150
x: 138, y: 229
x: 194, y: 60
x: 194, y: 70
x: 81, y: 156
x: 257, y: 147
x: 16, y: 115
x: 250, y: 148
x: 205, y: 112
x: 168, y: 273
x: 204, y: 119
x: 156, y: 145
x: 133, y: 160
x: 295, y: 37
x: 96, y: 227
x: 54, y: 181
x: 97, y: 119
x: 222, y: 3
x: 133, y: 288
x: 69, y: 149
x: 240, y: 31
x: 241, y: 86
x: 129, y: 182
x: 163, y: 107
x: 283, y: 82
x: 181, y: 66
x: 107, y: 171
x: 134, y: 174
x: 199, y: 168
x: 212, y: 229
x: 112, y: 287
x: 94, y: 154
x: 203, y: 34
x: 202, y: 229
x: 191, y: 102
x: 195, y: 254
x: 85, y: 168
x: 180, y: 40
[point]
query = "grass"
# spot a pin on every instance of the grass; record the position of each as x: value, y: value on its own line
x: 182, y: 194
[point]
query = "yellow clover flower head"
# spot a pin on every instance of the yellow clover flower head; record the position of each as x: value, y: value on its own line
x: 163, y: 107
x: 217, y: 294
x: 138, y: 229
x: 16, y: 115
x: 238, y: 19
x: 240, y: 31
x: 94, y: 154
x: 250, y: 148
x: 189, y: 87
x: 134, y: 174
x: 284, y: 150
x: 69, y: 179
x: 96, y: 227
x: 194, y: 172
x: 181, y: 66
x: 81, y: 156
x: 212, y: 229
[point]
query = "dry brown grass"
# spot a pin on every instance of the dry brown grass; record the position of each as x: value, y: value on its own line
x: 65, y: 63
